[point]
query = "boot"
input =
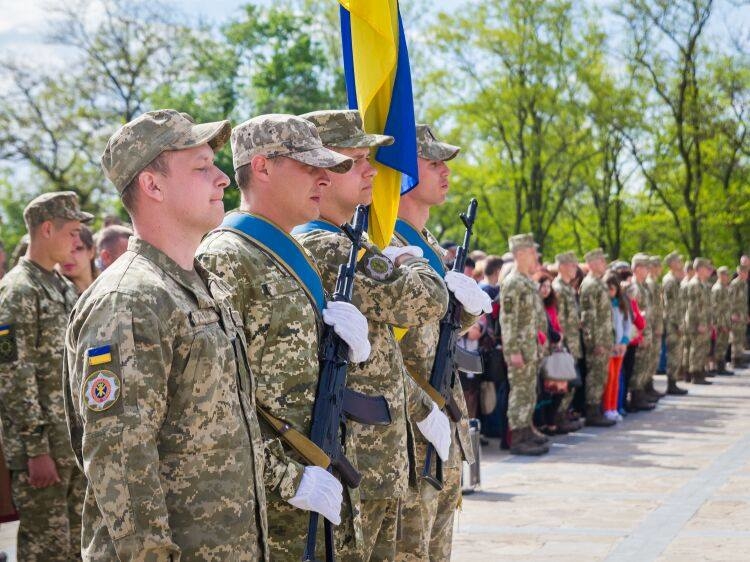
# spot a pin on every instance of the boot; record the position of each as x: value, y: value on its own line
x: 566, y: 425
x: 688, y: 377
x: 594, y: 417
x: 522, y: 445
x: 651, y: 391
x: 722, y: 370
x: 639, y: 402
x: 700, y: 378
x: 537, y: 436
x: 674, y: 390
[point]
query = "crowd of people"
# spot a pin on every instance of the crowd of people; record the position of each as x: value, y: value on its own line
x: 617, y: 323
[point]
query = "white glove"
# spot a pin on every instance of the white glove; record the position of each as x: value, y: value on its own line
x: 467, y: 291
x: 351, y: 326
x: 320, y: 491
x: 394, y: 252
x: 436, y: 428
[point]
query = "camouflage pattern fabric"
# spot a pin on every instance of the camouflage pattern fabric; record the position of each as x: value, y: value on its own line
x: 519, y: 321
x: 283, y: 329
x: 598, y: 332
x: 430, y: 148
x: 380, y: 525
x: 738, y: 297
x: 685, y: 335
x: 657, y: 315
x: 343, y: 128
x: 34, y: 307
x: 55, y: 205
x: 570, y: 322
x: 697, y: 314
x: 674, y: 324
x: 721, y: 315
x: 163, y: 421
x: 407, y: 296
x: 643, y: 353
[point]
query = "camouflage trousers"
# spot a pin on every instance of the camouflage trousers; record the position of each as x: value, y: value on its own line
x: 674, y: 356
x: 738, y: 341
x: 50, y: 518
x: 641, y: 367
x: 698, y: 348
x: 379, y: 524
x: 655, y: 354
x: 426, y: 522
x: 522, y: 399
x: 597, y: 369
x: 722, y: 344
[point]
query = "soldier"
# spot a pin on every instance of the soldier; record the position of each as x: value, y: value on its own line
x: 570, y: 322
x: 698, y: 321
x: 111, y: 243
x: 721, y: 310
x: 159, y: 394
x: 35, y: 301
x: 519, y: 320
x: 640, y: 396
x: 689, y: 273
x: 427, y: 515
x: 598, y: 335
x: 281, y: 169
x: 738, y: 295
x: 392, y: 288
x: 674, y: 322
x: 653, y: 283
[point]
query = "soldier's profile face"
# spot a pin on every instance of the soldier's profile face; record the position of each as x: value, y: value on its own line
x: 355, y: 186
x: 65, y: 239
x: 433, y: 181
x: 297, y: 188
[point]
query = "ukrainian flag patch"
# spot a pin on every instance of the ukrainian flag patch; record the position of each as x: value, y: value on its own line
x: 8, y: 349
x: 5, y: 329
x: 99, y: 355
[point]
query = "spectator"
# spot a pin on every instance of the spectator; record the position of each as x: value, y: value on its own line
x: 80, y: 267
x: 470, y: 381
x: 112, y: 241
x: 622, y: 321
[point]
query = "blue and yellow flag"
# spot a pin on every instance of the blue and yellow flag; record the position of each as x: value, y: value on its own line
x: 378, y: 83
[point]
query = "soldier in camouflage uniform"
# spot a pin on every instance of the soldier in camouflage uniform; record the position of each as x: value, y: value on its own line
x: 698, y: 321
x: 598, y: 335
x: 738, y: 296
x: 721, y: 310
x: 427, y: 514
x: 653, y: 282
x: 643, y: 358
x: 35, y: 301
x: 281, y: 168
x: 674, y: 322
x: 394, y: 288
x: 159, y: 393
x: 688, y: 274
x: 519, y: 319
x: 570, y: 322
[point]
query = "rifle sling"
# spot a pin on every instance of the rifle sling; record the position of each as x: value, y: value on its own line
x: 428, y: 388
x: 309, y: 451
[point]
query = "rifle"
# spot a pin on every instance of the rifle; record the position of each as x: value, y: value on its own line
x: 334, y: 403
x: 443, y: 374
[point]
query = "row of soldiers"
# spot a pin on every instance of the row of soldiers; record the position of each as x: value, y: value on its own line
x: 181, y: 427
x: 682, y: 309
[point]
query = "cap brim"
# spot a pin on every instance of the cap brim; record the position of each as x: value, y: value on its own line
x: 323, y: 158
x: 215, y: 134
x: 364, y: 141
x: 80, y: 216
x: 441, y: 151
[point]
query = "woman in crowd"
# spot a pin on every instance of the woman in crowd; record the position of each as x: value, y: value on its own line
x: 80, y: 267
x: 622, y: 321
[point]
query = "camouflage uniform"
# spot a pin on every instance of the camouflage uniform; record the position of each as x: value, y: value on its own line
x: 738, y: 297
x: 643, y: 361
x: 697, y: 313
x: 657, y: 316
x: 598, y: 332
x: 427, y: 514
x: 34, y: 308
x: 570, y: 322
x: 674, y: 323
x: 170, y: 444
x: 721, y: 313
x: 384, y: 454
x: 685, y: 335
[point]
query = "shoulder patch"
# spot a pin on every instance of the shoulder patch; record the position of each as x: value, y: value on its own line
x: 378, y: 267
x: 99, y: 355
x: 101, y: 390
x: 8, y: 347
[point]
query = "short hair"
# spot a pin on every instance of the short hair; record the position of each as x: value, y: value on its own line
x: 492, y: 264
x: 108, y: 236
x: 129, y: 195
x: 242, y: 176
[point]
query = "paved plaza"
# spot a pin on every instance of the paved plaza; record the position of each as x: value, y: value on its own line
x: 669, y: 485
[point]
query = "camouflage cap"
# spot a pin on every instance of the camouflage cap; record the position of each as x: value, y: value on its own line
x: 655, y: 261
x: 135, y: 145
x: 723, y: 269
x: 619, y: 265
x: 566, y: 257
x: 640, y: 259
x: 278, y: 134
x: 343, y: 128
x: 56, y: 205
x: 432, y: 149
x: 596, y: 253
x: 702, y: 262
x: 521, y: 241
x: 671, y: 258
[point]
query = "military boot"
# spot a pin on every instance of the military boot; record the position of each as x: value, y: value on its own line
x: 722, y: 370
x: 674, y: 390
x: 688, y: 377
x: 565, y: 425
x: 594, y: 417
x: 537, y: 436
x: 639, y: 402
x: 521, y: 444
x: 700, y: 378
x: 652, y: 392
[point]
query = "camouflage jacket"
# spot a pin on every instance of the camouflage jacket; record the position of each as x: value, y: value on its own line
x: 642, y: 296
x: 283, y: 330
x: 697, y: 305
x: 596, y: 314
x: 418, y: 350
x: 405, y: 296
x: 738, y: 297
x: 519, y: 317
x: 570, y: 319
x: 34, y: 308
x: 161, y: 416
x: 721, y: 306
x: 657, y: 306
x: 673, y: 305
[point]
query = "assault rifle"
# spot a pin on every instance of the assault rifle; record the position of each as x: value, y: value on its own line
x: 443, y: 374
x: 334, y: 403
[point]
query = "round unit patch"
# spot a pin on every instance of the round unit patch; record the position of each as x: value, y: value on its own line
x: 379, y: 267
x: 102, y: 389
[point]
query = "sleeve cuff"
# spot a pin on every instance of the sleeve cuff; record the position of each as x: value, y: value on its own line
x: 291, y: 480
x: 37, y: 444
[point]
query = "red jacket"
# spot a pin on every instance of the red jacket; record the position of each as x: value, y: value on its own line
x: 638, y: 321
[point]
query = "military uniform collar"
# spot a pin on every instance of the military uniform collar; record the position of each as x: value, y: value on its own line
x: 54, y: 284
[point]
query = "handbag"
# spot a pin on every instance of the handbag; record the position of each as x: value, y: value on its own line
x: 487, y: 397
x: 559, y: 366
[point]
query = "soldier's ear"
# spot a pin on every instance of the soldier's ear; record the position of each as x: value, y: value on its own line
x: 148, y: 185
x: 260, y: 166
x: 46, y: 229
